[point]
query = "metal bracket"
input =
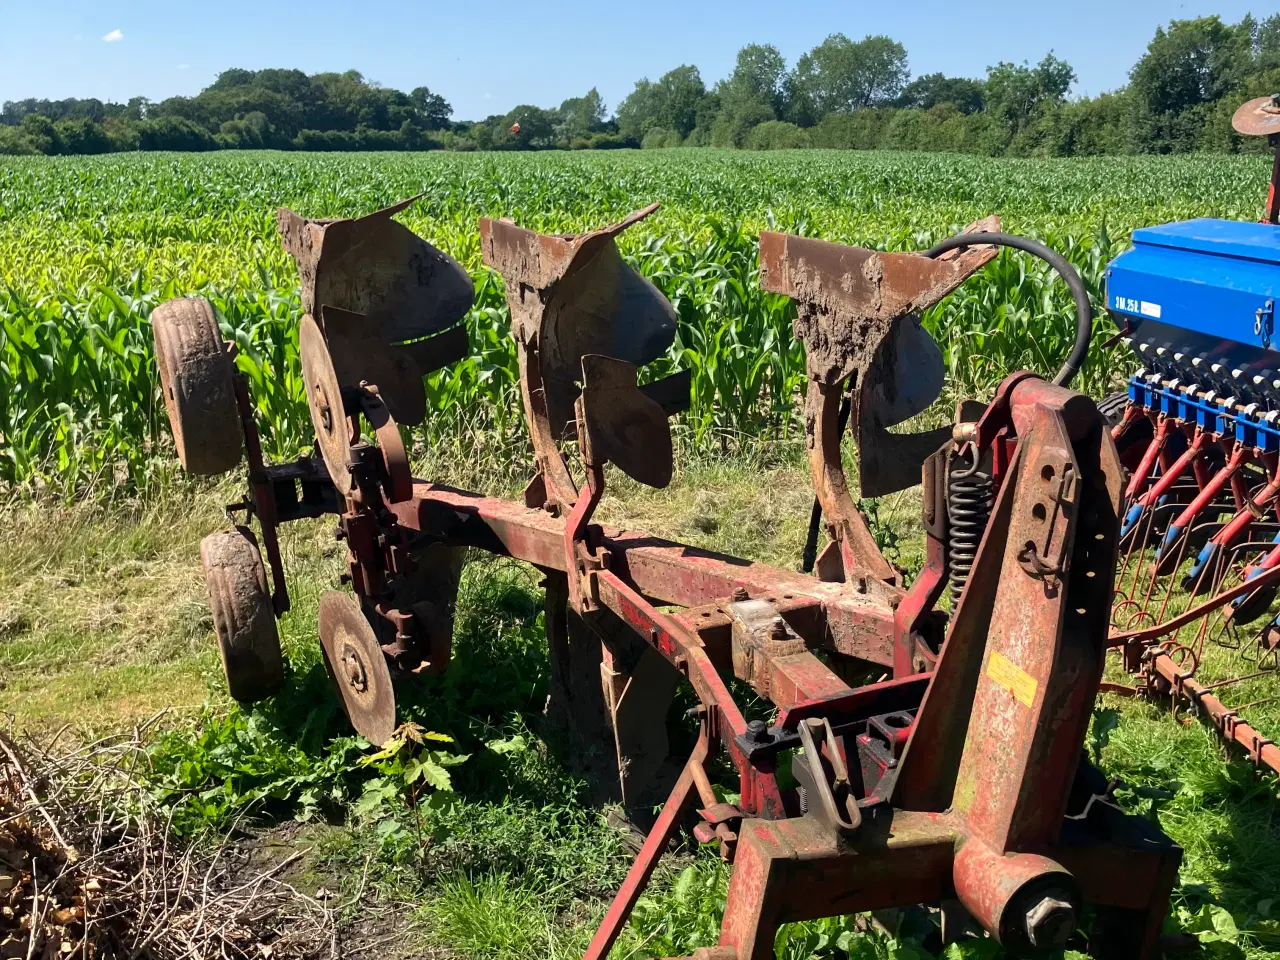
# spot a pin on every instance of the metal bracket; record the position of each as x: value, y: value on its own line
x: 1264, y: 323
x: 1045, y: 557
x: 825, y: 779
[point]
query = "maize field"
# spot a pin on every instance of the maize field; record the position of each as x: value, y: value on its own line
x: 89, y: 246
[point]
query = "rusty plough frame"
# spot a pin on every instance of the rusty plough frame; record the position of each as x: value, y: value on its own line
x: 960, y: 778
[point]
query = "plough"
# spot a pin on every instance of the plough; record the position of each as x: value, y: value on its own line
x: 959, y: 780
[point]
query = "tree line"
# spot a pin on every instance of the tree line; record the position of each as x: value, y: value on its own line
x: 841, y: 94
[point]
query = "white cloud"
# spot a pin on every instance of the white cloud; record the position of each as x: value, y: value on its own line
x: 488, y: 96
x: 113, y: 36
x: 184, y: 66
x: 76, y: 38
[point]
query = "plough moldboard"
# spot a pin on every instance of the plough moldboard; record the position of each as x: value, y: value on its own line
x: 960, y: 780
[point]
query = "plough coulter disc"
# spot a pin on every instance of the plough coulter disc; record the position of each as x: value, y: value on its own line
x: 357, y: 666
x: 248, y: 641
x: 198, y: 381
x: 324, y: 401
x: 1257, y: 118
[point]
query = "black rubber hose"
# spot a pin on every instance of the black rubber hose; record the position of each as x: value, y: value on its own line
x: 1075, y: 359
x: 1084, y: 308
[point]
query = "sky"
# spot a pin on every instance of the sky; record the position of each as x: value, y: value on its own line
x: 487, y: 56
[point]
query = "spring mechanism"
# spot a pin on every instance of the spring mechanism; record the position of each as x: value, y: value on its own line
x: 968, y: 510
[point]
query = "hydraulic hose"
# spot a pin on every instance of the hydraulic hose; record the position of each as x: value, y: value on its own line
x: 1075, y: 359
x: 1084, y: 308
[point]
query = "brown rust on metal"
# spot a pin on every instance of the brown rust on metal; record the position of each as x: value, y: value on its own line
x: 357, y: 666
x: 569, y: 297
x: 852, y: 623
x: 325, y: 404
x: 375, y: 266
x: 851, y: 306
x: 1230, y: 726
x: 361, y: 354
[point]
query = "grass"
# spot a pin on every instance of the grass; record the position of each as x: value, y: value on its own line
x: 514, y: 862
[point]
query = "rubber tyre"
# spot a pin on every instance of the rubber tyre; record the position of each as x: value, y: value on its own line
x: 1112, y: 406
x: 243, y: 619
x: 197, y: 378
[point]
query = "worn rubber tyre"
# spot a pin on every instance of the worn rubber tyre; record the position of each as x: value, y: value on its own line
x: 198, y: 381
x: 1112, y: 406
x: 248, y: 640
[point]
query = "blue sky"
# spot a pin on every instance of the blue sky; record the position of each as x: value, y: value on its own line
x: 486, y: 56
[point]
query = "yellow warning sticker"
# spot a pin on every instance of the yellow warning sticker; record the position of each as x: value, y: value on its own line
x: 1012, y: 677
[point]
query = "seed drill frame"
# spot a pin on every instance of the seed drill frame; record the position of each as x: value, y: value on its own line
x: 959, y: 780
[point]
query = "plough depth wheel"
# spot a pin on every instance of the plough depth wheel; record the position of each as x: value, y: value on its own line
x: 248, y: 641
x: 198, y: 381
x: 357, y: 666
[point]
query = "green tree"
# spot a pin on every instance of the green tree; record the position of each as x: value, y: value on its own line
x: 672, y: 103
x: 680, y: 91
x: 733, y: 126
x: 1192, y: 62
x: 1018, y: 92
x: 536, y: 129
x: 233, y: 77
x: 932, y: 89
x: 759, y: 76
x: 840, y: 75
x: 581, y: 116
x: 1267, y: 44
x: 174, y: 133
x: 433, y: 110
x: 83, y: 136
x: 39, y: 131
x: 638, y: 111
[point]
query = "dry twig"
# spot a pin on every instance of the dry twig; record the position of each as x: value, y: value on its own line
x: 88, y: 869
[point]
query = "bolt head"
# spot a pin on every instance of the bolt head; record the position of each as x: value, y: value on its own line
x: 757, y: 731
x: 1050, y: 923
x: 740, y: 594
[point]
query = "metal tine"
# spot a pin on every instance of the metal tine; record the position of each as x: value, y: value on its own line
x: 1155, y: 574
x: 1237, y: 571
x: 1140, y: 535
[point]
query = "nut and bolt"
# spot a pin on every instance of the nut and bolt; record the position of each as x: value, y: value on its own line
x: 779, y: 629
x: 740, y: 594
x: 355, y: 673
x: 1050, y: 923
x: 758, y: 731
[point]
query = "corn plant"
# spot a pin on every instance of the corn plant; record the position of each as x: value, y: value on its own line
x: 90, y: 245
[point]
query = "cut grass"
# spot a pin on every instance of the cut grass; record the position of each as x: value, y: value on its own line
x: 104, y: 616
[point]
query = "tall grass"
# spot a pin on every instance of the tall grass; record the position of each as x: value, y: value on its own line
x: 89, y: 246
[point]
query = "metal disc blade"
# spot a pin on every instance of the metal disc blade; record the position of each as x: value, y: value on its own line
x: 324, y: 401
x: 1257, y: 118
x: 358, y: 667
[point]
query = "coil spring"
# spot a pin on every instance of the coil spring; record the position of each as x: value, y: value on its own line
x: 969, y: 496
